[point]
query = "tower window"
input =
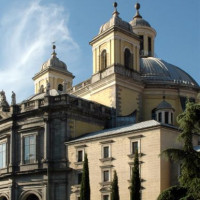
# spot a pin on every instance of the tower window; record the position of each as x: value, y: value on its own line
x: 141, y: 45
x: 60, y: 87
x: 166, y: 117
x: 103, y: 59
x: 149, y: 46
x: 160, y: 117
x: 127, y: 58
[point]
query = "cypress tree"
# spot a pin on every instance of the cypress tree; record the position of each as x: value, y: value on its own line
x: 115, y: 188
x: 85, y: 182
x: 135, y: 180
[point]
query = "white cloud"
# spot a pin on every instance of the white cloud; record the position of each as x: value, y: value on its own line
x: 26, y: 36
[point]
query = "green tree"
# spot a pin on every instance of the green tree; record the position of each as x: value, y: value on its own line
x: 115, y: 188
x: 85, y: 182
x: 135, y: 180
x: 189, y: 122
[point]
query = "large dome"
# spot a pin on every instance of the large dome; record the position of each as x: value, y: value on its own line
x: 154, y: 70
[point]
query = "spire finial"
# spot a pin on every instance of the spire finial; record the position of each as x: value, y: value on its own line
x: 163, y: 97
x: 137, y: 7
x: 115, y: 13
x: 53, y: 47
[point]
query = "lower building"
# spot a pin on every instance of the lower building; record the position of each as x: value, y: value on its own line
x: 114, y: 149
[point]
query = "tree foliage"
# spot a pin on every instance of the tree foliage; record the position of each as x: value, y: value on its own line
x: 85, y: 183
x: 189, y: 122
x: 135, y: 180
x: 115, y: 188
x: 173, y: 193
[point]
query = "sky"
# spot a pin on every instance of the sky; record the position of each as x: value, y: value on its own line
x: 28, y: 28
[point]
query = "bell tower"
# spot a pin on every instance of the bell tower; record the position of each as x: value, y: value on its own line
x: 116, y: 44
x: 53, y: 75
x: 145, y: 32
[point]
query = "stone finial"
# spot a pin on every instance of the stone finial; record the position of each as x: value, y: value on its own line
x: 54, y: 47
x: 115, y: 13
x: 137, y: 7
x: 13, y: 98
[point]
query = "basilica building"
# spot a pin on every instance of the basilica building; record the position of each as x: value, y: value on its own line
x: 130, y: 102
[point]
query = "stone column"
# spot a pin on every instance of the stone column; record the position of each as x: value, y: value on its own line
x: 46, y: 138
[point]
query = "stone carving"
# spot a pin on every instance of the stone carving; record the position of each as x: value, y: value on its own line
x: 41, y: 89
x: 3, y: 102
x: 47, y: 87
x: 13, y: 98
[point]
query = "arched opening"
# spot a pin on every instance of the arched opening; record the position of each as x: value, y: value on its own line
x: 103, y: 59
x: 60, y: 87
x: 127, y: 58
x: 32, y: 197
x: 3, y: 198
x: 41, y: 89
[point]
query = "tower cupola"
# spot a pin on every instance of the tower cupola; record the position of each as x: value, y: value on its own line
x: 53, y: 75
x: 115, y: 45
x: 165, y: 112
x: 146, y: 33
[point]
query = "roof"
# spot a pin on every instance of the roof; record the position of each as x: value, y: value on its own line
x: 118, y: 130
x: 139, y: 22
x: 52, y: 92
x: 155, y: 70
x: 115, y: 21
x: 164, y: 105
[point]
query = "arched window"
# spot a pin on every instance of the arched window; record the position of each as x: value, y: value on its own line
x: 3, y: 198
x: 60, y: 87
x: 127, y: 58
x: 103, y: 59
x: 32, y: 197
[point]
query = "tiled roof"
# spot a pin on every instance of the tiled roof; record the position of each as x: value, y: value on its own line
x: 117, y: 130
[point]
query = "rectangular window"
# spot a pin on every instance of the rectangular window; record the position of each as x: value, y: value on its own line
x: 166, y: 117
x: 29, y: 149
x: 106, y: 197
x: 134, y: 147
x: 141, y: 45
x: 106, y: 152
x: 149, y: 45
x: 160, y: 117
x: 80, y: 155
x: 2, y: 155
x: 106, y: 176
x: 79, y: 177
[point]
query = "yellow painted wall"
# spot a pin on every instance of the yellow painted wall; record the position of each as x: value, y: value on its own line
x: 54, y: 78
x: 128, y: 100
x: 81, y: 128
x: 115, y: 44
x: 105, y: 97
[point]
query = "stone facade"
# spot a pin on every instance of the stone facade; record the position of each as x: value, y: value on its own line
x: 48, y: 122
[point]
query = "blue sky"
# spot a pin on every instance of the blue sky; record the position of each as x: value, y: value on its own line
x: 28, y: 28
